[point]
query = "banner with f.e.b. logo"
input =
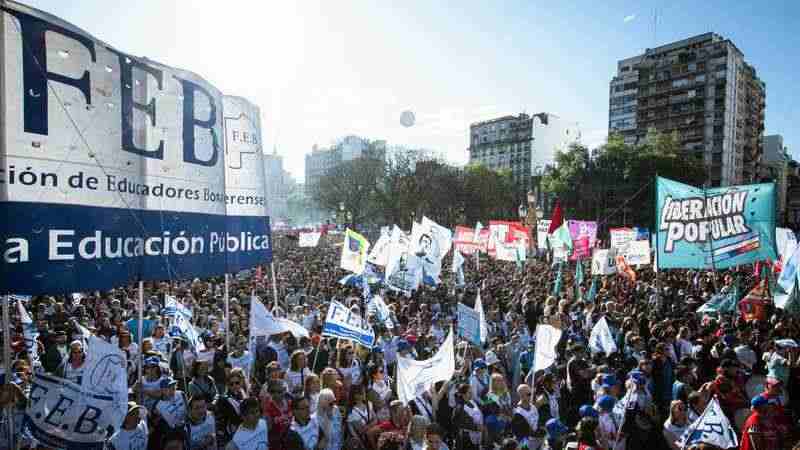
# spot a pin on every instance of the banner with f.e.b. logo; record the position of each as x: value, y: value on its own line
x: 115, y: 168
x: 714, y: 228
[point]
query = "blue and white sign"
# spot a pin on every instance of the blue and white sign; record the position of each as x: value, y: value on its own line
x: 469, y: 324
x: 342, y: 323
x: 712, y: 427
x: 61, y: 415
x: 714, y: 228
x: 116, y: 168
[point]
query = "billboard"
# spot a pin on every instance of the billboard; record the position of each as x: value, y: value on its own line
x: 116, y: 168
x: 714, y: 228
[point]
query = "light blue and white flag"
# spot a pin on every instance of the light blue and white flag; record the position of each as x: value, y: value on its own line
x: 790, y: 275
x: 600, y: 339
x: 712, y: 427
x: 31, y: 335
x: 484, y: 327
x: 22, y: 298
x: 343, y: 323
x: 458, y: 267
x: 182, y: 327
x: 377, y: 307
x: 172, y: 307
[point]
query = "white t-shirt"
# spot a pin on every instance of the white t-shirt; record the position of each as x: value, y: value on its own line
x: 246, y: 439
x: 294, y: 380
x: 173, y: 410
x: 309, y: 433
x: 135, y: 439
x: 198, y: 433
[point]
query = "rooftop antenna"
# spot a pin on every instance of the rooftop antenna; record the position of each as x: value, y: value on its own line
x: 655, y: 27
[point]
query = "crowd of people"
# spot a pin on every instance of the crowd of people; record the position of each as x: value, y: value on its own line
x: 312, y: 393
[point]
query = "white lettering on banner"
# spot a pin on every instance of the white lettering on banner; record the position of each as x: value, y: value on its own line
x: 60, y: 414
x: 699, y: 219
x: 604, y: 261
x: 61, y: 246
x: 341, y: 322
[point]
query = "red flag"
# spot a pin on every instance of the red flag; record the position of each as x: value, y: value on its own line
x: 557, y: 219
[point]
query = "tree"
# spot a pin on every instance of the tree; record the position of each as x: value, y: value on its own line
x: 351, y: 188
x: 488, y: 194
x: 617, y: 185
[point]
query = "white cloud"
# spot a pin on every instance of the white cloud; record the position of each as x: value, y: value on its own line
x: 629, y: 18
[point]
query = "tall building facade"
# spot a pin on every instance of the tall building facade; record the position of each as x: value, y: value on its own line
x: 703, y: 89
x: 321, y: 160
x: 278, y: 185
x: 522, y: 144
x: 775, y: 167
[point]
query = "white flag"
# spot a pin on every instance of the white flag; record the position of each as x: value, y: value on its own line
x: 105, y: 372
x: 712, y: 427
x: 30, y: 334
x: 477, y: 236
x: 458, y: 267
x: 547, y: 338
x: 482, y: 318
x: 415, y: 377
x: 310, y: 239
x: 601, y: 340
x: 379, y: 255
x: 377, y: 307
x: 263, y: 323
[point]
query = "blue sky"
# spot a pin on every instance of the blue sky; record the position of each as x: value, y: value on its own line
x: 322, y: 69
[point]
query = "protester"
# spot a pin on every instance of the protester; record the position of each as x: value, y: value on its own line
x: 317, y: 390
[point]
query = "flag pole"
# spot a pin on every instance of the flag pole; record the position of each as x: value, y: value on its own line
x: 140, y: 338
x: 227, y: 316
x: 7, y: 362
x: 275, y: 286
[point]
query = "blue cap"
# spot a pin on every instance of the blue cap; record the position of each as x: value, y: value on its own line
x: 587, y: 411
x: 608, y: 381
x: 377, y: 349
x: 637, y: 377
x: 758, y: 400
x: 606, y: 402
x: 168, y: 382
x: 152, y: 361
x: 555, y: 428
x: 403, y: 345
x: 479, y: 364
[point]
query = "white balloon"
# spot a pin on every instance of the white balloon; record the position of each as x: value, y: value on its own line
x: 407, y: 119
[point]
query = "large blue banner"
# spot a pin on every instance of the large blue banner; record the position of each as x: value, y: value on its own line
x: 116, y: 168
x: 714, y: 228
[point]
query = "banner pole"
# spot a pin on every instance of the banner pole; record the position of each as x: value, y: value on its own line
x: 140, y: 338
x: 227, y: 317
x: 7, y: 359
x: 275, y: 286
x: 711, y: 245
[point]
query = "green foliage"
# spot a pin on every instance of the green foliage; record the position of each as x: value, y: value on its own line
x: 616, y: 186
x: 408, y: 184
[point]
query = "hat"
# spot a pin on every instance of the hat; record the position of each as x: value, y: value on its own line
x: 587, y: 411
x: 411, y: 339
x: 403, y: 345
x: 637, y: 377
x: 377, y: 349
x: 168, y: 382
x: 772, y: 381
x: 152, y: 361
x: 608, y: 381
x: 491, y: 358
x: 479, y: 364
x: 606, y: 403
x: 133, y: 407
x: 555, y: 428
x: 758, y: 400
